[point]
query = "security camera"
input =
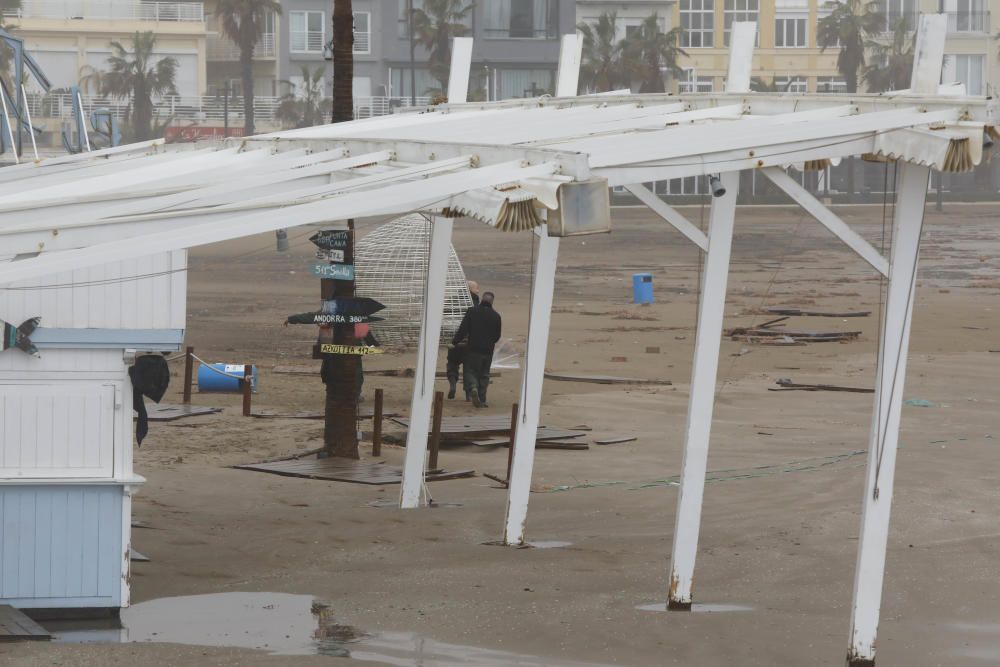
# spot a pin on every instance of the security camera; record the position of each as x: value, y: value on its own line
x: 718, y: 189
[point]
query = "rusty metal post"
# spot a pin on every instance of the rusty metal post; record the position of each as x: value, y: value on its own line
x: 513, y: 438
x: 188, y: 372
x: 435, y: 443
x: 247, y: 388
x: 377, y: 425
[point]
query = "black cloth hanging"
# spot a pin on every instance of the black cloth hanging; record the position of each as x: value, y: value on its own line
x: 150, y: 377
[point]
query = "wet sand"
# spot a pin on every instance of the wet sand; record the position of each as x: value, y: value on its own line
x: 782, y: 507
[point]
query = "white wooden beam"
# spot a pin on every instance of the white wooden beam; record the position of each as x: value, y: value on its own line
x: 570, y: 56
x: 530, y: 403
x: 426, y: 369
x: 670, y: 214
x: 908, y: 222
x: 742, y: 38
x: 701, y: 401
x: 461, y: 64
x: 884, y: 437
x: 828, y: 219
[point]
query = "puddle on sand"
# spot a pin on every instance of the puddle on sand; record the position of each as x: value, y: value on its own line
x: 549, y: 544
x: 703, y: 608
x: 282, y: 624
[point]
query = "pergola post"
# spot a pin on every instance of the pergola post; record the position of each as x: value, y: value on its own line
x: 426, y: 367
x: 519, y: 482
x: 884, y: 438
x: 715, y: 275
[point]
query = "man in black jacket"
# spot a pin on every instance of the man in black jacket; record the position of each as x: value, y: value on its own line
x: 481, y: 326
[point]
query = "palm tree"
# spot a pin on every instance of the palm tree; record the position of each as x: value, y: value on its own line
x: 343, y: 61
x: 893, y: 61
x: 602, y: 68
x: 134, y: 74
x: 434, y: 27
x: 6, y: 53
x: 243, y: 23
x: 305, y: 109
x: 849, y: 26
x: 650, y: 52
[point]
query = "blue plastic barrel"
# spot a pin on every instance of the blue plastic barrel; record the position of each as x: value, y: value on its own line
x: 642, y: 288
x: 224, y: 377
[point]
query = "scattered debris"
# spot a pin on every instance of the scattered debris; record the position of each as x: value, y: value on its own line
x: 616, y: 440
x: 919, y: 403
x: 137, y: 557
x: 772, y: 336
x: 347, y: 470
x: 602, y: 379
x: 786, y: 384
x: 652, y: 349
x: 619, y: 359
x: 815, y: 313
x: 743, y: 350
x: 165, y: 412
x: 15, y: 626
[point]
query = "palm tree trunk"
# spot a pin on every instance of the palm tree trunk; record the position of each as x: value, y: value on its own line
x: 343, y: 61
x: 246, y: 73
x: 142, y: 113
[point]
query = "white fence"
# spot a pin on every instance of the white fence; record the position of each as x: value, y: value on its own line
x: 194, y: 110
x: 130, y: 10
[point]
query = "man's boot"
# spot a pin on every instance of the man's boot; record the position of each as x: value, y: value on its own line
x: 451, y: 389
x: 475, y: 400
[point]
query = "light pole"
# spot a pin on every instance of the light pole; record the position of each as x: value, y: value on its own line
x: 413, y: 70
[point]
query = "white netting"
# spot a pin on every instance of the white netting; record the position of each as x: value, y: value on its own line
x: 391, y: 263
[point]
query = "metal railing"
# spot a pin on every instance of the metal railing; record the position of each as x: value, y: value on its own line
x: 220, y: 47
x: 194, y: 110
x: 113, y: 10
x: 968, y: 22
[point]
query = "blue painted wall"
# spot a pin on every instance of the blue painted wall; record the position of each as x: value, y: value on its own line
x: 60, y: 546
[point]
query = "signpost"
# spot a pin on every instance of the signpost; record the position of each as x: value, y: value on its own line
x: 356, y: 350
x: 333, y: 271
x: 333, y: 239
x: 330, y: 318
x: 330, y: 255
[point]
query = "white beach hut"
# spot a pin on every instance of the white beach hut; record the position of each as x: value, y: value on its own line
x: 66, y: 426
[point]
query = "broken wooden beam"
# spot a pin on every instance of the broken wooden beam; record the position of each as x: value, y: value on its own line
x: 815, y: 313
x: 786, y: 384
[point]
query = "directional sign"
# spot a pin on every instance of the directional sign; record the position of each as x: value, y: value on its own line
x: 18, y: 336
x: 352, y: 305
x: 360, y: 350
x: 330, y: 318
x: 331, y: 239
x: 330, y: 255
x: 333, y: 271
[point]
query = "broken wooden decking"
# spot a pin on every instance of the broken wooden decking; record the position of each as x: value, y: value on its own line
x: 348, y: 470
x: 15, y: 626
x: 363, y: 413
x: 165, y: 412
x: 603, y: 379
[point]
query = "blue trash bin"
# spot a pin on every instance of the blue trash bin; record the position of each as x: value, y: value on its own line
x: 642, y: 288
x: 224, y: 378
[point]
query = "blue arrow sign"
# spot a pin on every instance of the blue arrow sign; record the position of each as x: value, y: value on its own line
x: 333, y: 271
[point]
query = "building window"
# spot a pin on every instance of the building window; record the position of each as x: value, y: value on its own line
x: 519, y: 19
x: 525, y: 83
x: 690, y: 82
x: 739, y: 10
x: 790, y: 31
x: 966, y: 16
x: 363, y: 32
x: 692, y: 185
x: 967, y: 69
x: 795, y: 84
x: 896, y: 10
x: 308, y: 30
x: 831, y: 84
x: 698, y: 23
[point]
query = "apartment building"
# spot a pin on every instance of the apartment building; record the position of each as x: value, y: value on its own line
x: 788, y: 53
x: 72, y: 38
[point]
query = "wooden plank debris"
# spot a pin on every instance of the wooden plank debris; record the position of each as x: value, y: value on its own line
x: 780, y: 336
x: 602, y: 379
x: 365, y: 412
x: 165, y: 412
x: 348, y: 470
x: 616, y: 440
x: 136, y: 557
x: 16, y: 626
x: 815, y: 313
x: 785, y: 384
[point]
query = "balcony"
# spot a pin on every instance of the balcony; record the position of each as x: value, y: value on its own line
x: 221, y: 48
x: 109, y: 10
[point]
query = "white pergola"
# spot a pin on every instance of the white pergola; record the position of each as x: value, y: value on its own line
x: 486, y: 160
